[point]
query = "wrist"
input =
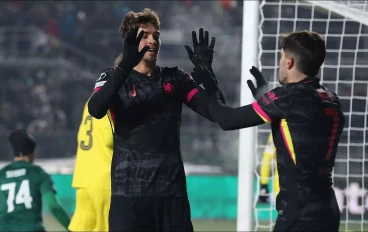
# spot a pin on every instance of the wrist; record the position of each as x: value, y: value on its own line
x: 125, y: 65
x: 212, y: 97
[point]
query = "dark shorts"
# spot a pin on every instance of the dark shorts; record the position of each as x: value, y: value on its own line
x: 149, y: 214
x: 320, y: 225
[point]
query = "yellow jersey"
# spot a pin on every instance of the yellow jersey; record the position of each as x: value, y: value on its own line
x: 269, y: 164
x: 94, y: 152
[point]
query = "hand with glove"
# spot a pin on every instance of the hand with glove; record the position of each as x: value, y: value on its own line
x: 101, y: 101
x: 131, y: 55
x: 203, y: 54
x: 262, y: 84
x: 205, y: 81
x: 264, y: 196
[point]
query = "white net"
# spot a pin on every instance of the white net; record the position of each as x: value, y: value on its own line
x: 343, y: 24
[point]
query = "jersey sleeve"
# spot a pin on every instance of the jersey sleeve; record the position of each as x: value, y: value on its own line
x: 273, y: 105
x: 46, y: 183
x: 104, y: 76
x: 187, y: 87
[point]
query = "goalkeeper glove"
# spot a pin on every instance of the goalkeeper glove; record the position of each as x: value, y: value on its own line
x: 264, y: 194
x: 203, y: 54
x: 131, y: 55
x: 205, y: 81
x: 262, y: 84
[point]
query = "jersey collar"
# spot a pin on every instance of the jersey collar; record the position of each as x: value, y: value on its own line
x: 311, y: 80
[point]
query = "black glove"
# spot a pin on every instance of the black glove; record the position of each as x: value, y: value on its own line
x: 131, y: 55
x: 262, y: 84
x: 205, y: 81
x: 203, y: 52
x: 264, y: 196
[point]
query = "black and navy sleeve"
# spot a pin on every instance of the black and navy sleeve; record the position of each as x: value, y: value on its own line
x: 104, y: 76
x: 186, y: 86
x: 274, y: 105
x: 106, y: 87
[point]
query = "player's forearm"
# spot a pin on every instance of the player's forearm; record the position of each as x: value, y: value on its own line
x: 56, y: 209
x: 199, y: 104
x: 62, y: 217
x: 229, y: 118
x: 221, y: 94
x: 101, y: 101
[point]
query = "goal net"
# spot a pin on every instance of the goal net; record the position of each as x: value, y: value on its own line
x: 344, y: 25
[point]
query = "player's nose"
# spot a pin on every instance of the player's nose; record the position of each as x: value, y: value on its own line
x: 151, y: 40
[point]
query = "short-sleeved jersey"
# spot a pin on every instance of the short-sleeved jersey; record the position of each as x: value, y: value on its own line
x: 147, y: 159
x: 94, y: 151
x: 22, y: 185
x: 307, y: 123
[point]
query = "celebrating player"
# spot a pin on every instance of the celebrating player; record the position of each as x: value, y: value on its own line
x: 92, y: 176
x: 148, y: 180
x: 23, y: 186
x: 307, y: 122
x: 268, y: 167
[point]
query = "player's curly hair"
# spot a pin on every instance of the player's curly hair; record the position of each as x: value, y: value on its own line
x: 307, y: 48
x: 132, y: 19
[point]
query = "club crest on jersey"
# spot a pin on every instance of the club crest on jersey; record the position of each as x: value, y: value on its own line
x: 169, y: 88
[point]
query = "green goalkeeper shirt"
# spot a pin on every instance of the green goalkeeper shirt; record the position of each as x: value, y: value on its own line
x: 22, y: 186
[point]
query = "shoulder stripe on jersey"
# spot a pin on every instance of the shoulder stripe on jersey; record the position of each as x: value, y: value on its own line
x: 287, y: 139
x: 261, y: 113
x: 191, y: 94
x: 99, y: 84
x: 96, y: 89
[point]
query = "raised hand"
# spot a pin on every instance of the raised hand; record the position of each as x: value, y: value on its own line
x: 131, y: 55
x: 262, y: 84
x: 203, y: 51
x: 202, y: 56
x: 205, y: 81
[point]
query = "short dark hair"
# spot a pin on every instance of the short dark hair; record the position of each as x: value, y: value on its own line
x: 22, y: 143
x: 144, y: 17
x: 308, y: 49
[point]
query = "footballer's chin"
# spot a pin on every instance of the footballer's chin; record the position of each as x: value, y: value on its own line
x: 150, y: 56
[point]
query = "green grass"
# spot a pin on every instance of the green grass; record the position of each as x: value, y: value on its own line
x: 203, y: 225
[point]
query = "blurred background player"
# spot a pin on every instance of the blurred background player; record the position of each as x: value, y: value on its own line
x: 92, y: 178
x: 23, y: 187
x: 268, y: 169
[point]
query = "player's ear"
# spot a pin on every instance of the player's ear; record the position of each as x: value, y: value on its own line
x: 290, y: 62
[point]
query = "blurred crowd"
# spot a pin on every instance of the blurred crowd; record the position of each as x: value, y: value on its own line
x: 48, y: 99
x: 93, y: 26
x: 77, y: 23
